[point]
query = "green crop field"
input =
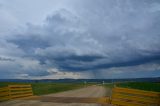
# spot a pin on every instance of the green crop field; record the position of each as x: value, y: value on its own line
x: 148, y: 86
x: 109, y: 85
x: 43, y: 88
x: 48, y: 88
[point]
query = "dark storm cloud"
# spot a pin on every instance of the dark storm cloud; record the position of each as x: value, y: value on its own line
x: 92, y: 36
x: 121, y: 47
x: 68, y: 65
x: 84, y: 58
x: 30, y: 43
x: 140, y: 61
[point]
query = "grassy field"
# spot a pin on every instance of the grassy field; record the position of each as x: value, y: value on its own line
x: 148, y: 86
x: 48, y: 88
x: 141, y: 85
x: 109, y: 85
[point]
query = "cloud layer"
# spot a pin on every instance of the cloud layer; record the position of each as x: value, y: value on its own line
x: 83, y: 39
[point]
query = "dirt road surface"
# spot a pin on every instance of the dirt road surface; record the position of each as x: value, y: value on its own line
x: 91, y: 91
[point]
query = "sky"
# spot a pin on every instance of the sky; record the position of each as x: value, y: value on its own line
x: 57, y: 39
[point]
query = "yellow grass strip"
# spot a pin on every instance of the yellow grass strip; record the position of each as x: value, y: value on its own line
x: 137, y: 92
x: 4, y: 89
x: 21, y: 96
x: 4, y: 94
x: 125, y: 103
x: 14, y: 86
x: 20, y: 92
x: 20, y: 89
x: 136, y: 98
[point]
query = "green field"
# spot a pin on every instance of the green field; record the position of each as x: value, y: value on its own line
x: 142, y: 85
x: 148, y: 86
x: 109, y: 85
x: 48, y: 88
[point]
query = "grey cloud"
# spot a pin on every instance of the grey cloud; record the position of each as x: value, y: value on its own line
x: 93, y: 36
x: 138, y: 71
x: 6, y: 59
x: 122, y: 32
x: 8, y: 49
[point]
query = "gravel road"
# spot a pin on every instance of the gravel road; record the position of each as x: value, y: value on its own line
x: 91, y: 91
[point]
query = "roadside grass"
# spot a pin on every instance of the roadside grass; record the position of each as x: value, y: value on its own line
x: 40, y: 88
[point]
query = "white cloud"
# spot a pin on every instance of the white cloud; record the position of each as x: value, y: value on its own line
x: 57, y: 74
